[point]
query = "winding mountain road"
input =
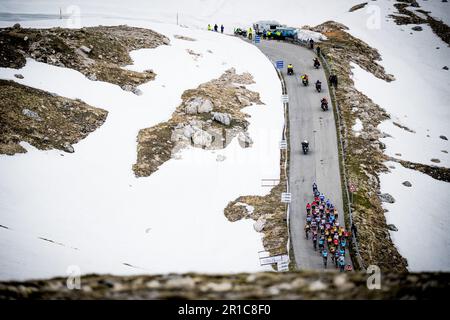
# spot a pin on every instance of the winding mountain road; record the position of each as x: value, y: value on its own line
x: 321, y: 164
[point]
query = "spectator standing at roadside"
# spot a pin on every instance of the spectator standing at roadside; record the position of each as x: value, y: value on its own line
x: 222, y: 28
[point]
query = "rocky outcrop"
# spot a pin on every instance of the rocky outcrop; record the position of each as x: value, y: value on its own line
x: 254, y: 286
x: 407, y: 16
x: 358, y: 6
x: 97, y: 52
x: 44, y: 120
x: 209, y: 117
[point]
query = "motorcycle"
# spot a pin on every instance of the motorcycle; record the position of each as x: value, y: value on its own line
x: 317, y: 64
x: 305, y: 148
x: 305, y: 82
x: 324, y: 105
x: 318, y: 87
x: 290, y: 71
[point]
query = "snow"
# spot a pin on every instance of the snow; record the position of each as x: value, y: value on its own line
x: 439, y: 10
x: 306, y: 35
x: 425, y: 115
x: 421, y: 215
x: 357, y: 127
x: 172, y: 221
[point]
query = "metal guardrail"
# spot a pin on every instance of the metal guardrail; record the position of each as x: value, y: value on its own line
x: 286, y: 156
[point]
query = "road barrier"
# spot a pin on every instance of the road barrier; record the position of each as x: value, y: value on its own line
x: 285, y: 137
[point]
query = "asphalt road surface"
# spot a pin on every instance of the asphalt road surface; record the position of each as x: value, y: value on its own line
x: 321, y: 164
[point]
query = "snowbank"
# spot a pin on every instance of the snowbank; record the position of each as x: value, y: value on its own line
x: 421, y: 215
x: 306, y: 35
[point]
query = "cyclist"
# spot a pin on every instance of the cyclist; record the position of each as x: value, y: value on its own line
x: 325, y: 258
x: 307, y: 229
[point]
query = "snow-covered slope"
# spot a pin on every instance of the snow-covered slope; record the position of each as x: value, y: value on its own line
x: 91, y: 203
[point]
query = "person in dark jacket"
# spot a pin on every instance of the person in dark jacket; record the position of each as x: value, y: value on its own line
x: 222, y: 28
x: 333, y: 80
x: 318, y: 50
x: 216, y: 27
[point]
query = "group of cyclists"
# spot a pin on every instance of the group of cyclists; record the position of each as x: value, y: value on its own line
x: 322, y: 226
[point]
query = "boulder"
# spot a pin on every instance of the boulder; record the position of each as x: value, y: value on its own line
x: 188, y: 131
x: 137, y: 91
x: 67, y: 147
x: 92, y: 77
x: 18, y: 76
x: 259, y: 224
x: 386, y: 197
x: 31, y: 114
x: 223, y: 118
x: 202, y: 139
x: 205, y: 107
x: 407, y: 184
x: 85, y: 49
x: 198, y: 105
x: 443, y: 137
x: 417, y: 28
x: 244, y: 139
x: 392, y: 227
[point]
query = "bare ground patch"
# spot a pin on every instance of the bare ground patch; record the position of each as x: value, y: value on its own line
x: 44, y: 120
x: 209, y: 117
x: 97, y: 52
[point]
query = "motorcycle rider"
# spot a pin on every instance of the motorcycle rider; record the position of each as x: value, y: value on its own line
x: 316, y: 63
x: 324, y: 104
x: 305, y: 79
x: 318, y: 85
x: 305, y: 146
x: 290, y: 69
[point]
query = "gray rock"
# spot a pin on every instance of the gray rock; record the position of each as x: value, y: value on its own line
x: 92, y: 77
x: 137, y: 91
x: 220, y: 158
x: 18, y: 76
x: 205, y: 107
x: 244, y: 139
x: 188, y: 131
x: 386, y: 197
x: 417, y: 28
x: 202, y: 139
x: 85, y: 49
x: 31, y: 114
x: 443, y: 137
x: 198, y: 105
x: 16, y: 26
x: 407, y: 184
x: 67, y: 147
x: 223, y: 118
x: 127, y: 87
x: 392, y: 227
x: 445, y: 68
